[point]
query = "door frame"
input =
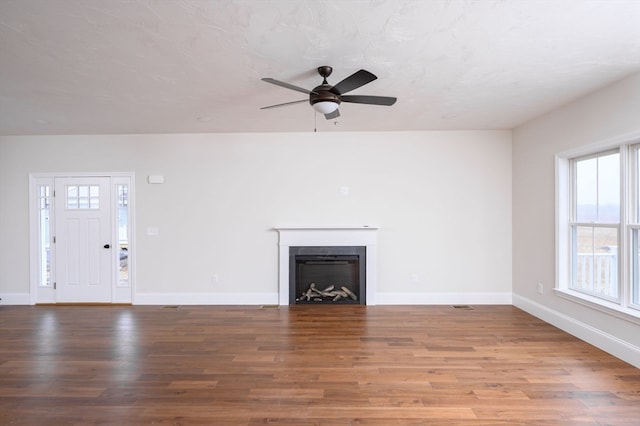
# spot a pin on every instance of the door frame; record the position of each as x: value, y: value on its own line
x: 46, y: 294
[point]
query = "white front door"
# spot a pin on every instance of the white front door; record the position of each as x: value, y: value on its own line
x: 84, y: 260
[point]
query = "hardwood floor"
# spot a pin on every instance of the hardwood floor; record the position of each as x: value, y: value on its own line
x: 308, y: 365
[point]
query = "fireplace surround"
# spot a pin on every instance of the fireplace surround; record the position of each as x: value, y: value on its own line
x: 336, y: 236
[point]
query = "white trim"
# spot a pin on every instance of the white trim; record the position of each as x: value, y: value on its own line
x: 602, y: 305
x: 81, y: 174
x: 617, y: 347
x: 206, y: 298
x: 611, y: 143
x: 317, y: 236
x: 272, y: 298
x: 124, y: 294
x: 326, y: 228
x: 562, y: 214
x: 47, y: 295
x: 389, y: 298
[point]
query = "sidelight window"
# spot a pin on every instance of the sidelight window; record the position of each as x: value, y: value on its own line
x: 44, y: 235
x: 122, y: 191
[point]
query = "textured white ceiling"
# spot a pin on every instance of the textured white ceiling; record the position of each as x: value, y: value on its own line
x: 182, y: 66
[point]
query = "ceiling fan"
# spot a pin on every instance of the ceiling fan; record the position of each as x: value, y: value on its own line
x: 327, y: 98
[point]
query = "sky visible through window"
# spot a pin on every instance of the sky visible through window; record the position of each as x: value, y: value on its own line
x: 598, y: 189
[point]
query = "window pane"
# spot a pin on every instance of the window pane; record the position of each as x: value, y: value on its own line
x: 45, y: 237
x: 587, y: 190
x: 635, y: 287
x: 636, y: 154
x: 123, y: 234
x: 609, y: 188
x: 583, y: 258
x: 597, y: 189
x: 72, y: 191
x: 596, y: 261
x: 72, y: 197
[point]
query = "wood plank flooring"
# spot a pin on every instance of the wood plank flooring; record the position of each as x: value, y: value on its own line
x: 306, y: 365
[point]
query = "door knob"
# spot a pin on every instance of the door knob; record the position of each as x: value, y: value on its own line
x: 107, y: 246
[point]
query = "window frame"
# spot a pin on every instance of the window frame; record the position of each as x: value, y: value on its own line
x: 565, y: 177
x: 634, y: 223
x: 575, y: 224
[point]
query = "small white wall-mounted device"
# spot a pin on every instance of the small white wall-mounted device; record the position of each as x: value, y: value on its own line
x: 155, y: 179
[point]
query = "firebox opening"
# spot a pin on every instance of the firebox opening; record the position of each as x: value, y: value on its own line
x: 327, y: 275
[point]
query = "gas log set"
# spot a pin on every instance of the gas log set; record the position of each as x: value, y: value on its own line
x: 313, y: 294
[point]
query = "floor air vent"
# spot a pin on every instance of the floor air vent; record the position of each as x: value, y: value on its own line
x: 463, y: 307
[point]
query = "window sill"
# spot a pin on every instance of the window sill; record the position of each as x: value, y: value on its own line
x: 627, y: 314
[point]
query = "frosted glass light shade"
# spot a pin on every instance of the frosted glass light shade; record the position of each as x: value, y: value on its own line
x: 325, y: 107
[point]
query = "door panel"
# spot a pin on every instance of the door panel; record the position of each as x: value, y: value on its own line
x: 83, y: 230
x: 70, y: 238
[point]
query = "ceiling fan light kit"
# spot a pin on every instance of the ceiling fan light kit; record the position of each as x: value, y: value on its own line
x: 325, y: 107
x: 326, y: 98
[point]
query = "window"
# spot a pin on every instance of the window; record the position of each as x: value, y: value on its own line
x: 83, y: 197
x: 598, y: 228
x: 44, y: 235
x: 122, y: 191
x: 596, y: 225
x: 635, y: 226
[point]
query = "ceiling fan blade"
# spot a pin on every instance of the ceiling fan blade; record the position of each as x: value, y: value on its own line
x: 355, y: 80
x: 285, y: 104
x: 372, y: 100
x: 287, y: 85
x: 332, y: 115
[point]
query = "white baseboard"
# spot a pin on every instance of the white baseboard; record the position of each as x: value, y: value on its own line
x: 383, y: 298
x: 608, y: 343
x: 272, y: 298
x: 206, y: 299
x: 15, y: 299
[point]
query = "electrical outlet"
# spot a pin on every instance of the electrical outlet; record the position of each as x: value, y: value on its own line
x: 215, y: 279
x: 540, y: 288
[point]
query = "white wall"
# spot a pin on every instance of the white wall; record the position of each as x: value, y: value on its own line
x: 608, y: 113
x: 442, y: 201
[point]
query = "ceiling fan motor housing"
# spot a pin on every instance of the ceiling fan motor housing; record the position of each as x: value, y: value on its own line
x: 322, y: 94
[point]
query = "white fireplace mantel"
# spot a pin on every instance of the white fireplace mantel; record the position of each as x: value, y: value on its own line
x: 309, y: 236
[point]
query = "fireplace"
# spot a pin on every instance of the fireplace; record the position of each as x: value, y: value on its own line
x: 327, y: 275
x: 314, y: 237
